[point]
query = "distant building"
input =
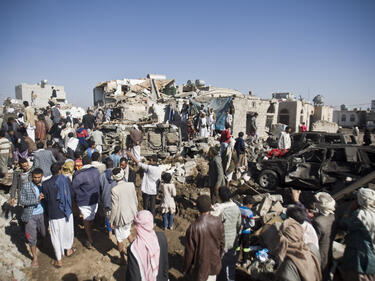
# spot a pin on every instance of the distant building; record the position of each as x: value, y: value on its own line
x: 39, y: 94
x: 373, y: 105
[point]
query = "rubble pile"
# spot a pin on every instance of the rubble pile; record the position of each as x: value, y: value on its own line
x: 12, y: 261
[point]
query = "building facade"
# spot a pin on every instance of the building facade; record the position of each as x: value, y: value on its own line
x: 39, y: 94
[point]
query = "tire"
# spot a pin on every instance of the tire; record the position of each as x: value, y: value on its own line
x: 268, y: 179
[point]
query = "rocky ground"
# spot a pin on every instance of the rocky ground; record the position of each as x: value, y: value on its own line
x: 99, y: 262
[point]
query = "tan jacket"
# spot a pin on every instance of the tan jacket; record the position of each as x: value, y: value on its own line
x: 30, y: 116
x: 124, y: 203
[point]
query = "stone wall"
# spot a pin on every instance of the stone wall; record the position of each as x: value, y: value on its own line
x: 23, y: 92
x: 245, y: 106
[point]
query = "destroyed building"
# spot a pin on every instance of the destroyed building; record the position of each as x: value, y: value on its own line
x: 40, y: 93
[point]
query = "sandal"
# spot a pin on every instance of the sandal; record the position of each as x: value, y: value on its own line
x: 53, y: 262
x: 74, y: 250
x: 87, y: 244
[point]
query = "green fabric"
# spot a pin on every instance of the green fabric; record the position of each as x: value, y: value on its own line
x: 359, y: 254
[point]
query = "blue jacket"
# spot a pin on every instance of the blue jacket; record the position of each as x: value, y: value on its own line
x: 86, y: 186
x: 106, y: 185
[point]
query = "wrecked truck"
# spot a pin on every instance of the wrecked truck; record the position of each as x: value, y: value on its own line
x: 316, y: 167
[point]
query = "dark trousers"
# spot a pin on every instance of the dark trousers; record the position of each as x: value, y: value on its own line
x: 228, y: 266
x: 149, y: 202
x: 245, y: 245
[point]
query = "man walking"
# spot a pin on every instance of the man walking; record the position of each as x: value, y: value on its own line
x: 204, y: 244
x: 150, y: 181
x: 33, y: 213
x: 129, y: 174
x: 21, y: 176
x: 29, y: 120
x: 43, y: 159
x: 85, y: 187
x: 216, y: 174
x: 58, y: 199
x: 124, y: 209
x: 284, y: 140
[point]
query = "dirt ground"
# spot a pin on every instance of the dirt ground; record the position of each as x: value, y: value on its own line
x: 100, y: 262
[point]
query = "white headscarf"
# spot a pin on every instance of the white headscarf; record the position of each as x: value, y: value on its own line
x: 119, y: 176
x: 325, y: 203
x: 366, y: 214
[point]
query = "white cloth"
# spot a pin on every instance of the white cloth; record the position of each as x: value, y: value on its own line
x: 99, y: 148
x: 122, y: 232
x: 100, y: 166
x: 136, y: 151
x: 325, y: 203
x: 97, y: 137
x: 211, y: 278
x: 72, y: 143
x: 88, y: 212
x: 203, y: 127
x: 151, y: 177
x: 284, y: 141
x: 168, y: 204
x: 309, y: 234
x: 62, y: 235
x: 31, y: 132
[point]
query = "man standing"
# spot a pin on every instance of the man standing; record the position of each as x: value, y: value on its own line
x: 284, y: 140
x: 33, y: 213
x: 41, y: 130
x: 124, y: 209
x: 29, y: 120
x: 58, y: 199
x: 85, y: 187
x: 204, y: 244
x: 136, y: 137
x: 20, y: 177
x: 324, y: 224
x: 150, y: 181
x: 129, y: 174
x: 5, y: 152
x: 253, y: 127
x: 303, y: 127
x: 43, y: 159
x: 116, y: 156
x: 216, y: 174
x: 97, y: 137
x: 55, y: 114
x: 228, y: 120
x: 96, y: 163
x: 230, y: 215
x: 88, y: 120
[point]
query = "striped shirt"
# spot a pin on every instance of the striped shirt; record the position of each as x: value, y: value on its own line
x: 247, y: 219
x: 5, y: 146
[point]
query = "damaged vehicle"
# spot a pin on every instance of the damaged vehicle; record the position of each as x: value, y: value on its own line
x: 319, y: 166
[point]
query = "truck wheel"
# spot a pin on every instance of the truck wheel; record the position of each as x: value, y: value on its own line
x: 268, y: 179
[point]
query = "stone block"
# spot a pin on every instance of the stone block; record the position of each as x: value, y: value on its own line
x: 172, y: 138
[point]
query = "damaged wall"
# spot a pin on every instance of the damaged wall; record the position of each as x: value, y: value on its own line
x: 246, y: 106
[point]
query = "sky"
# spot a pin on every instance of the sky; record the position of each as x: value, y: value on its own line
x: 306, y: 47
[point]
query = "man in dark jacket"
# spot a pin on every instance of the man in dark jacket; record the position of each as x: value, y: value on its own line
x: 88, y: 120
x: 85, y: 187
x: 58, y: 201
x: 204, y: 243
x: 106, y: 185
x: 129, y: 174
x: 216, y: 174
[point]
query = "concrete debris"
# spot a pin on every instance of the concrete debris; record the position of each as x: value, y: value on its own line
x: 12, y: 261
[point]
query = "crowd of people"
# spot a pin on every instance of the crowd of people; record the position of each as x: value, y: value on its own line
x: 61, y: 179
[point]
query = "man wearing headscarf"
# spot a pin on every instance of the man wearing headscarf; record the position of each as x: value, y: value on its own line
x: 124, y: 208
x: 296, y: 261
x: 359, y: 256
x: 148, y: 254
x: 324, y: 224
